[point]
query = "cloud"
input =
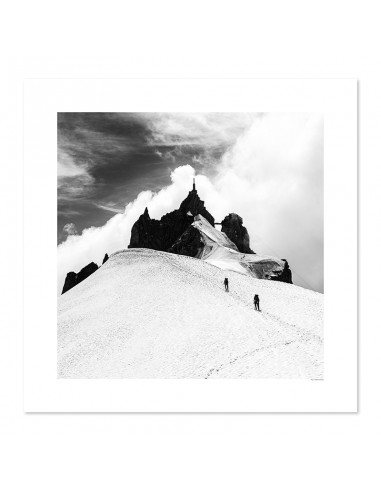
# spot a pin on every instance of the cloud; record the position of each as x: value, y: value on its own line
x: 108, y: 158
x: 206, y: 130
x: 67, y: 167
x: 273, y: 177
x: 109, y: 208
x: 271, y: 174
x: 70, y: 229
x: 72, y: 179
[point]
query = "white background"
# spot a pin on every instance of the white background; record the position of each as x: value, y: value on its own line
x: 336, y: 99
x: 190, y: 452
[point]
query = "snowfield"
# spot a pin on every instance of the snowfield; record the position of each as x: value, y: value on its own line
x: 149, y: 314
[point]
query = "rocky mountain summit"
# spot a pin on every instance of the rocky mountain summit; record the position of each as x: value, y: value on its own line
x: 172, y: 234
x: 162, y: 234
x: 190, y: 231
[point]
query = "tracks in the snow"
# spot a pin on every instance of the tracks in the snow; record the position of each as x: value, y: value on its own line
x: 215, y: 371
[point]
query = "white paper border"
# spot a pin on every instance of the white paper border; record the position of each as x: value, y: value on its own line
x: 336, y: 98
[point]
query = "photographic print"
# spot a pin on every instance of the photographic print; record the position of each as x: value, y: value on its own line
x: 190, y: 245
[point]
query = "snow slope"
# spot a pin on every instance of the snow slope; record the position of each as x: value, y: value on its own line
x: 149, y: 314
x: 220, y: 251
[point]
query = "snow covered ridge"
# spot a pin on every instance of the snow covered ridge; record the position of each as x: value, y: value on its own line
x: 152, y: 314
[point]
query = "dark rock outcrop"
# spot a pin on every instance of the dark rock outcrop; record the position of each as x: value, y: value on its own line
x: 159, y: 234
x: 286, y: 275
x: 162, y: 234
x: 70, y: 282
x: 105, y: 258
x: 73, y: 279
x: 236, y: 232
x: 86, y: 271
x: 145, y: 233
x: 189, y: 244
x: 195, y: 206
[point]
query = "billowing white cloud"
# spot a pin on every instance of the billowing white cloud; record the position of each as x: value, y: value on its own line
x: 271, y: 175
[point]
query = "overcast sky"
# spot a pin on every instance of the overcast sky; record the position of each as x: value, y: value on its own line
x: 267, y: 167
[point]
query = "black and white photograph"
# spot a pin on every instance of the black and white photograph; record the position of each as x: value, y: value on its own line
x: 190, y: 245
x: 190, y: 209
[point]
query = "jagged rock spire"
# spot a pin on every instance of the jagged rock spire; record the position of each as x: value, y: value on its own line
x: 195, y: 205
x: 162, y: 234
x: 232, y: 226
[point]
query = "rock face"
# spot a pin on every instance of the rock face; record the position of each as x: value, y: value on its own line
x: 158, y: 234
x: 236, y: 232
x: 189, y: 244
x: 286, y: 275
x: 73, y: 279
x: 105, y: 258
x: 193, y: 204
x: 162, y: 234
x: 70, y: 282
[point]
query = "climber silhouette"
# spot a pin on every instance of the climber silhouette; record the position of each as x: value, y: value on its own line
x: 256, y: 302
x: 226, y: 284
